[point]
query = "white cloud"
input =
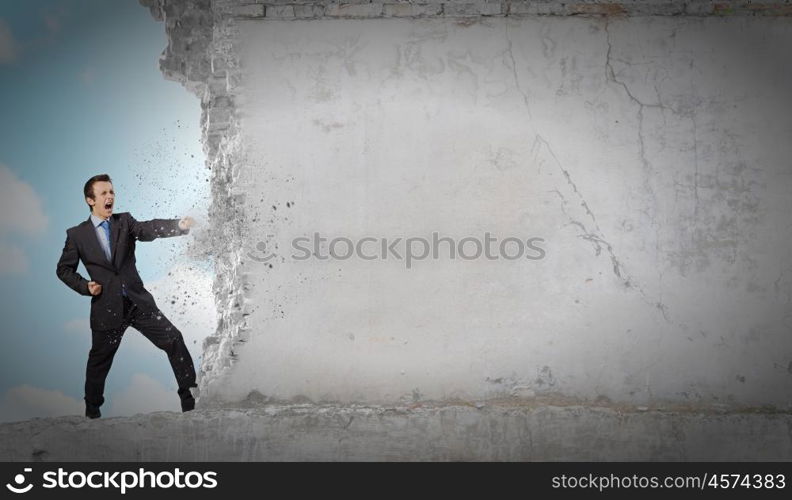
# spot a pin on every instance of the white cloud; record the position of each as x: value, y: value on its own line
x: 143, y: 395
x: 25, y: 402
x: 8, y: 45
x: 12, y: 259
x: 17, y: 197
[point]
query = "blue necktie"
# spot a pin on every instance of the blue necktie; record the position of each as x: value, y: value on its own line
x: 106, y: 225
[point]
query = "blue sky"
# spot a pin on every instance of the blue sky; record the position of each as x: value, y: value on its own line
x: 82, y: 94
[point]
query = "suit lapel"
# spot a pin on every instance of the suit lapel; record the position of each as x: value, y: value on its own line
x: 89, y: 233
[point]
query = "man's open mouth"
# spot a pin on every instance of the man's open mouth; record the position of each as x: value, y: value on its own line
x: 108, y: 205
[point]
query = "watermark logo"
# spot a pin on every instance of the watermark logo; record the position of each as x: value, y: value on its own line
x: 20, y: 479
x: 122, y: 481
x: 406, y: 249
x: 125, y: 480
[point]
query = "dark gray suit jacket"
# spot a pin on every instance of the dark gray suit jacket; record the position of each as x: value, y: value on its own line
x: 107, y: 308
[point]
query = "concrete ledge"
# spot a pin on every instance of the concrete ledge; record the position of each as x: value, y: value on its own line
x: 287, y: 9
x: 396, y: 433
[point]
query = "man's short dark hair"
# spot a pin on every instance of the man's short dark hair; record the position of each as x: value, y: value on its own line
x: 88, y: 189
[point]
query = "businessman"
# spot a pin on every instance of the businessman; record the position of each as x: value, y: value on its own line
x: 105, y: 243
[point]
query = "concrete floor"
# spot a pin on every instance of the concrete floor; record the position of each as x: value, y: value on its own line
x: 494, y: 431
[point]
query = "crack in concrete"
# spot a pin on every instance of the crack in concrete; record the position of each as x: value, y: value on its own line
x: 610, y: 75
x: 514, y: 70
x: 595, y: 235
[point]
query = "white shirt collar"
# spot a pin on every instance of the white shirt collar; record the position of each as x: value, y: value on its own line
x: 96, y: 220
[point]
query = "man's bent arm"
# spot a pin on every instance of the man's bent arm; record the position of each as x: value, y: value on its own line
x: 155, y: 228
x: 67, y: 268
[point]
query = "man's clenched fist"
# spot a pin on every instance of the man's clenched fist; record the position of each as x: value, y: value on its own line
x: 94, y: 288
x: 186, y: 223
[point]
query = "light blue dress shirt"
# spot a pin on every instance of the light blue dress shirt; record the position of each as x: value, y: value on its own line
x: 101, y: 234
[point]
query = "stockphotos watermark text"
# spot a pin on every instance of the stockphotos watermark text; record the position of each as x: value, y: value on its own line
x: 406, y: 249
x: 115, y: 480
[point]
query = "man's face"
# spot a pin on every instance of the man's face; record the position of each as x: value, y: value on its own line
x: 103, y: 200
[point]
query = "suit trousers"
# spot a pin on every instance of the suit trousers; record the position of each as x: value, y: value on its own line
x: 155, y: 327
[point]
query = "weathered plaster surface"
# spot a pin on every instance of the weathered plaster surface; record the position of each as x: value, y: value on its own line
x: 648, y: 146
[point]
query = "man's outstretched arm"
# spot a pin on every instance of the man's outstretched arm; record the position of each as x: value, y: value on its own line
x: 67, y: 268
x: 158, y: 228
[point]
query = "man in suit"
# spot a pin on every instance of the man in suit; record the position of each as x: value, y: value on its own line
x: 105, y: 243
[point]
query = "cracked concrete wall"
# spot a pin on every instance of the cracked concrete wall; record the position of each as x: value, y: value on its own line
x: 650, y: 152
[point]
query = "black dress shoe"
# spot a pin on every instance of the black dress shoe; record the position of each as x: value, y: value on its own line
x: 187, y: 404
x: 187, y: 399
x: 92, y: 412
